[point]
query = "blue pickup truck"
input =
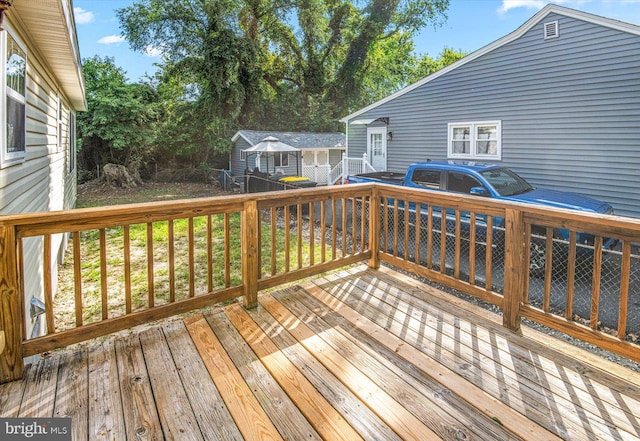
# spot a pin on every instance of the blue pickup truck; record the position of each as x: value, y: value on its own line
x: 496, y: 182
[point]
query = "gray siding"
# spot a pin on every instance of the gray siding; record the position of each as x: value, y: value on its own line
x: 569, y: 106
x: 238, y: 166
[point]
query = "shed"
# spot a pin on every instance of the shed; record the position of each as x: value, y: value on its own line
x: 320, y: 152
x: 556, y: 100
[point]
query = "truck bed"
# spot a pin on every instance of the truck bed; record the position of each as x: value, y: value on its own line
x: 382, y: 176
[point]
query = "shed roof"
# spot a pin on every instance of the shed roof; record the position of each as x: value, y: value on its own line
x: 537, y: 18
x: 299, y: 140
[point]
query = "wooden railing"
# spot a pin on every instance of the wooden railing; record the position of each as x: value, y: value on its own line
x: 517, y: 257
x: 161, y: 259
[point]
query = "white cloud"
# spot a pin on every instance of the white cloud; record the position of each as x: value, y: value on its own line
x: 82, y: 16
x: 111, y: 39
x: 152, y: 51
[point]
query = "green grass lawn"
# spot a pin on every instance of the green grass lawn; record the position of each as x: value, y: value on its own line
x: 115, y: 260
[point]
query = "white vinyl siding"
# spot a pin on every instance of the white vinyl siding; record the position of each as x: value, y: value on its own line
x: 475, y: 140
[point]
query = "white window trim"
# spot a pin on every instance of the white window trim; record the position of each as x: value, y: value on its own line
x: 12, y: 158
x: 472, y: 148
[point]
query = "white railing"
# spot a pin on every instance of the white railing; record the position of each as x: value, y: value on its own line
x: 336, y: 173
x: 317, y: 173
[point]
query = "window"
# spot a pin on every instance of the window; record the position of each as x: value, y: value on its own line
x: 478, y: 140
x: 427, y: 178
x: 14, y: 101
x: 461, y: 182
x: 281, y: 160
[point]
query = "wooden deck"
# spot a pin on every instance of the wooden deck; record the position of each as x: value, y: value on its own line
x: 360, y: 354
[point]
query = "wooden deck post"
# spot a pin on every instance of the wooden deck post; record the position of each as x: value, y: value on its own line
x: 374, y: 228
x: 11, y: 314
x: 515, y: 270
x: 250, y: 263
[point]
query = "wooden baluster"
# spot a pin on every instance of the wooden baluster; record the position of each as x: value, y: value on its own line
x: 323, y: 232
x: 209, y: 254
x: 595, y: 287
x: 456, y: 264
x: 344, y: 227
x: 103, y: 274
x: 429, y: 237
x: 443, y: 240
x: 374, y: 228
x: 418, y: 224
x: 250, y: 270
x: 150, y: 294
x: 489, y: 256
x: 311, y: 233
x: 407, y: 213
x: 77, y: 277
x: 227, y: 250
x: 273, y: 241
x: 571, y: 276
x: 395, y: 227
x: 127, y: 268
x: 299, y: 220
x: 624, y: 289
x: 472, y: 249
x: 548, y: 269
x: 172, y: 262
x: 333, y: 229
x: 192, y: 272
x: 48, y: 286
x: 287, y: 238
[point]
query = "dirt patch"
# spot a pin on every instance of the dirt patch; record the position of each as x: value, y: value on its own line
x: 97, y: 193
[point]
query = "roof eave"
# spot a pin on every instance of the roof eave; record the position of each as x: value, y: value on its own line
x: 51, y: 28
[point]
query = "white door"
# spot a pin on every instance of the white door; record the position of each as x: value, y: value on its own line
x: 377, y: 147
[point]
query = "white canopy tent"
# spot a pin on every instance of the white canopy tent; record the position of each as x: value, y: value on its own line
x: 270, y: 146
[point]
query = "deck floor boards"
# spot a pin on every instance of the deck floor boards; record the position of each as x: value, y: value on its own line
x: 357, y: 353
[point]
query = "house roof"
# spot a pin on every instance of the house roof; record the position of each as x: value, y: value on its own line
x: 299, y: 140
x: 544, y: 12
x: 52, y: 31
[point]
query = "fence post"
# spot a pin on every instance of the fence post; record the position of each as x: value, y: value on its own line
x: 250, y: 243
x: 11, y: 311
x: 345, y: 168
x: 364, y: 161
x: 374, y: 228
x: 515, y: 269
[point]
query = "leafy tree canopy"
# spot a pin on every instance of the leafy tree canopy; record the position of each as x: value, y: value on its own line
x: 260, y: 64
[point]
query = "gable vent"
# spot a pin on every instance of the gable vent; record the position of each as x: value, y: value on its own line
x: 551, y: 30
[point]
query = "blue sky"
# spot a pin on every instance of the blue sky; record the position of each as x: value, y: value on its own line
x: 471, y: 25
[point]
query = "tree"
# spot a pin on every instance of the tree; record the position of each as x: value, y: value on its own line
x: 278, y: 64
x: 119, y: 122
